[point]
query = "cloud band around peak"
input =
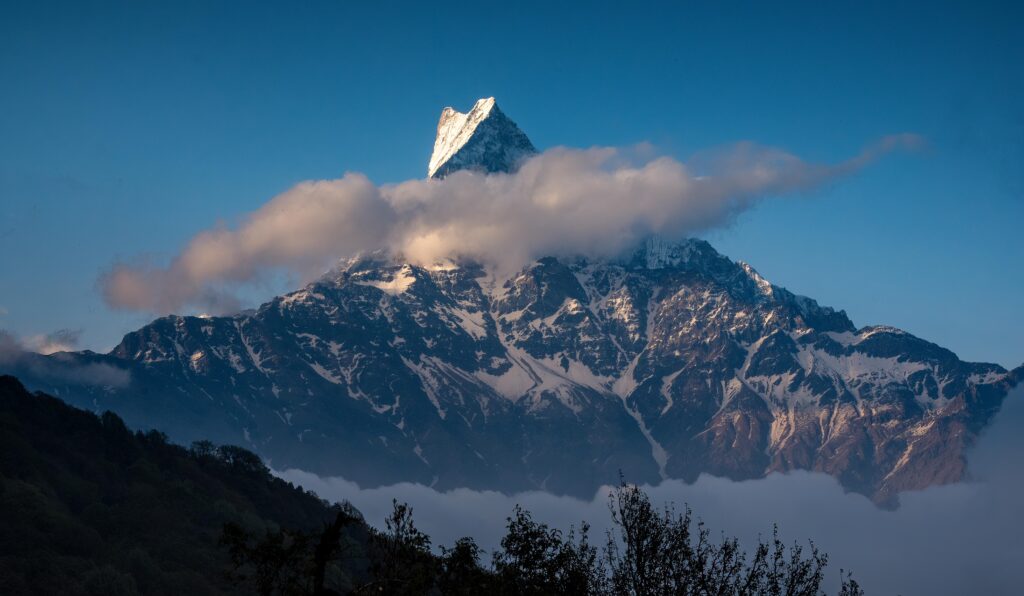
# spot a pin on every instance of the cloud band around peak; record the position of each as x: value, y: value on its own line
x: 595, y: 202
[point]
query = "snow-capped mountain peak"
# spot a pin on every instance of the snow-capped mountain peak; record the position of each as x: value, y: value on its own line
x: 668, y: 362
x: 674, y: 362
x: 482, y: 139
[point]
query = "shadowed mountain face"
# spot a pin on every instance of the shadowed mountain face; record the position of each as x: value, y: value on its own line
x: 673, y: 362
x: 666, y: 363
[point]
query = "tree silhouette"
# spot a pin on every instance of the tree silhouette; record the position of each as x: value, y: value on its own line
x: 648, y: 552
x: 460, y: 571
x: 403, y: 562
x: 654, y: 553
x: 331, y: 545
x: 535, y: 559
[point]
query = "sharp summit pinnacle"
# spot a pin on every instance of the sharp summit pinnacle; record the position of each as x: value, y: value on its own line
x: 483, y: 139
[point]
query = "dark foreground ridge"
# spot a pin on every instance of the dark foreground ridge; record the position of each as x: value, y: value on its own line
x: 89, y: 507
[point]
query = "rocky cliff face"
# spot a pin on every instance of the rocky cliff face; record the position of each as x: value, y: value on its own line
x: 665, y: 363
x: 670, y: 363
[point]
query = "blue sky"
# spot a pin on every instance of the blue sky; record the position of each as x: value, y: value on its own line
x: 125, y: 129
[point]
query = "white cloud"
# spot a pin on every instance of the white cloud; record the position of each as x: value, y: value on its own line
x: 594, y: 202
x: 297, y: 230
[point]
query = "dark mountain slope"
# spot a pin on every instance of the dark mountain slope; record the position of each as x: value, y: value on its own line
x: 88, y: 507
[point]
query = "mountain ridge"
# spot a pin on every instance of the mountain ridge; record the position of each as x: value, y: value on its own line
x: 384, y: 371
x: 667, y: 362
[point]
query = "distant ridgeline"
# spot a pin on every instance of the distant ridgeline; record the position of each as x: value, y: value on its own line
x: 89, y: 508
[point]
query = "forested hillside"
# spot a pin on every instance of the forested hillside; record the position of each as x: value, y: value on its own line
x: 90, y: 507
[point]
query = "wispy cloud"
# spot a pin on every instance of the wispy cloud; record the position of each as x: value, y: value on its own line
x: 42, y: 358
x: 62, y: 340
x: 594, y: 202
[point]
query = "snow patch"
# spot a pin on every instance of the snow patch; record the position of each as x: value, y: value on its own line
x: 472, y: 323
x: 398, y: 284
x: 323, y: 372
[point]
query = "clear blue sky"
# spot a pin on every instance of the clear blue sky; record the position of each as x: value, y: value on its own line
x: 124, y: 129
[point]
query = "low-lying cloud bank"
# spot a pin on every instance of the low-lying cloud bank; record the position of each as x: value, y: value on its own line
x: 594, y: 202
x: 62, y: 340
x: 959, y: 539
x: 42, y: 357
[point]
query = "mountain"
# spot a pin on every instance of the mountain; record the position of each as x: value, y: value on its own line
x: 485, y: 139
x: 89, y: 507
x: 665, y: 363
